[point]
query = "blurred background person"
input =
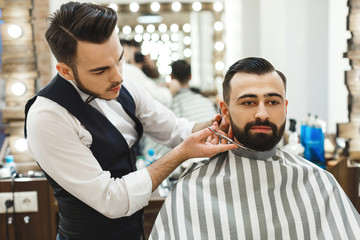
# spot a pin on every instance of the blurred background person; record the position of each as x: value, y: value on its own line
x: 187, y: 103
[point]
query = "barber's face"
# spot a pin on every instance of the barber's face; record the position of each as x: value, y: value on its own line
x: 99, y: 68
x: 256, y: 110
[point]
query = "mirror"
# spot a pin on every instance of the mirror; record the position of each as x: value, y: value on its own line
x: 174, y: 30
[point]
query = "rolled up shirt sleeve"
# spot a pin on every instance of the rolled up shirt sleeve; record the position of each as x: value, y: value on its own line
x: 139, y: 194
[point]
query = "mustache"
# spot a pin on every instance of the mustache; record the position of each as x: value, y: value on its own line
x: 114, y: 85
x: 259, y: 122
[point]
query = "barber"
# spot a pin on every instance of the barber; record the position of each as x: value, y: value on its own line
x: 83, y: 126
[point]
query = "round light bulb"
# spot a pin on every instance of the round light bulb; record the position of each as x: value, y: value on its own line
x: 162, y: 69
x: 146, y: 36
x: 150, y: 28
x: 219, y: 46
x: 186, y: 27
x: 20, y: 145
x: 176, y: 6
x: 155, y: 37
x: 155, y: 6
x: 196, y: 6
x: 138, y: 37
x: 134, y: 7
x: 162, y: 28
x: 174, y: 37
x: 14, y: 31
x: 218, y: 26
x: 174, y: 47
x: 218, y: 6
x: 175, y: 56
x: 187, y: 40
x: 139, y: 29
x: 126, y: 29
x: 165, y: 37
x: 174, y: 28
x: 219, y: 66
x: 18, y: 88
x: 187, y: 52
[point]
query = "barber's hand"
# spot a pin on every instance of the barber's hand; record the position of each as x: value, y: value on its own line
x: 222, y: 125
x: 196, y: 145
x: 214, y: 139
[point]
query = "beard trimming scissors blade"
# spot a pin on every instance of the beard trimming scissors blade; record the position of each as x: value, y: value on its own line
x: 229, y: 139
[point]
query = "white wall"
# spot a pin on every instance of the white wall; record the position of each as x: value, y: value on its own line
x: 303, y: 39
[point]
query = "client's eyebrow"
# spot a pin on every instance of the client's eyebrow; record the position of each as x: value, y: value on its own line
x: 247, y: 96
x: 98, y: 69
x: 274, y: 95
x: 255, y: 96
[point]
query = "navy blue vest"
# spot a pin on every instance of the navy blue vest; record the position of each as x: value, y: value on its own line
x: 78, y: 220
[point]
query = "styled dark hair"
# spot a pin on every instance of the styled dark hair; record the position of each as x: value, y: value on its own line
x: 252, y: 65
x: 75, y: 22
x: 181, y: 70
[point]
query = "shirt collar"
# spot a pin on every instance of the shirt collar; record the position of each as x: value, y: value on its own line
x: 252, y: 154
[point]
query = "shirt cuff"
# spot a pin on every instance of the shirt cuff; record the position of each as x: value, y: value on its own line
x: 139, y: 187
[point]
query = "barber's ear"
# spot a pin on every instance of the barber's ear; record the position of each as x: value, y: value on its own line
x: 65, y: 71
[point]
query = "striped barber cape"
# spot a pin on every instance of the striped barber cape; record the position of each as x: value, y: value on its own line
x: 256, y: 195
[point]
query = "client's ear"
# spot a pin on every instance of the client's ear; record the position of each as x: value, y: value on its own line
x: 225, y: 112
x: 226, y: 117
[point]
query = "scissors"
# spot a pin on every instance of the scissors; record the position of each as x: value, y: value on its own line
x: 229, y: 139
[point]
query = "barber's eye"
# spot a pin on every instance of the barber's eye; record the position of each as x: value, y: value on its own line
x: 99, y: 72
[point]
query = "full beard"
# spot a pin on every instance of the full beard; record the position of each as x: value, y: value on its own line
x: 258, y: 141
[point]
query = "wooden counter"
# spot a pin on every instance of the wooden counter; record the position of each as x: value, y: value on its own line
x: 348, y: 178
x: 40, y: 224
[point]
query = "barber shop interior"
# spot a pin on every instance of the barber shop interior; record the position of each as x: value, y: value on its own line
x: 214, y: 119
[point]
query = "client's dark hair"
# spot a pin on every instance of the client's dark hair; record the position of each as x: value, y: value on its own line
x: 252, y: 65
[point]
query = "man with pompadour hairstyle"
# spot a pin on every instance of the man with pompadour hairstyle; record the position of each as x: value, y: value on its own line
x: 83, y: 126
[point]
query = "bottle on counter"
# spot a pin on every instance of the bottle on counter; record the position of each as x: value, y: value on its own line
x: 312, y: 138
x: 10, y: 164
x: 294, y: 145
x: 150, y: 158
x: 304, y: 129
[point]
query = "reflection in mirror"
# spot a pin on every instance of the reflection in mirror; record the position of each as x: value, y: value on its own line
x: 172, y: 31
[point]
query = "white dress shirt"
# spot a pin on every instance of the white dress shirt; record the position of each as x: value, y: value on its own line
x: 60, y: 144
